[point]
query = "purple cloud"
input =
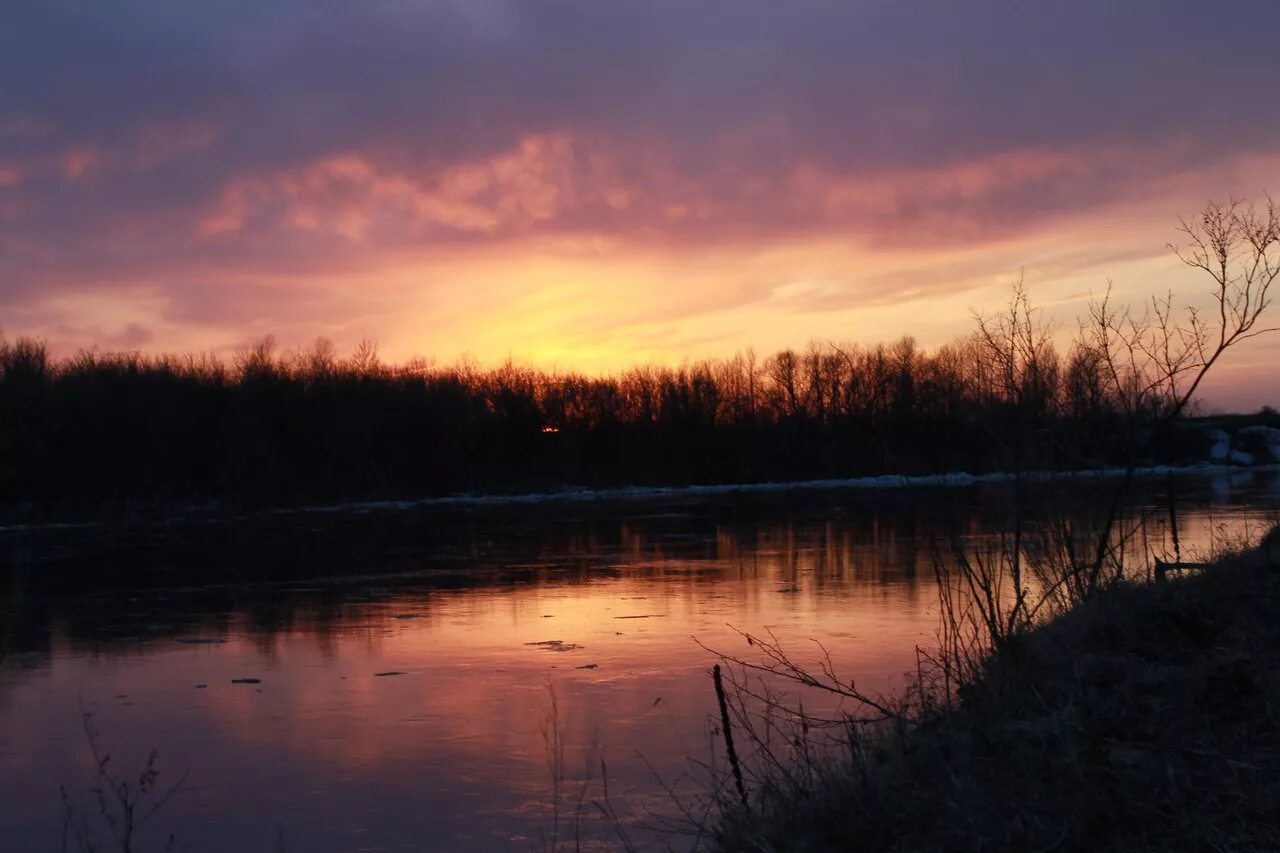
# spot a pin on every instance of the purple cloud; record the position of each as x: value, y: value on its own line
x: 170, y: 145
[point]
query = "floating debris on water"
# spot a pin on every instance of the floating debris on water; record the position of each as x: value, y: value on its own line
x: 246, y: 681
x: 556, y: 645
x: 589, y: 666
x: 385, y: 674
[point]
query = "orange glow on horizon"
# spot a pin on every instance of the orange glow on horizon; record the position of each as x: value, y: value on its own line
x: 599, y: 301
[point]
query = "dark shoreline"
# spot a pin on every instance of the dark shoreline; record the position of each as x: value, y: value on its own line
x: 215, y: 511
x: 214, y: 544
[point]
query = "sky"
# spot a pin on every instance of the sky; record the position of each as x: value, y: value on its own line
x: 585, y: 184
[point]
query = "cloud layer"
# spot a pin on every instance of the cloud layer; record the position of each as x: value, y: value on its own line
x: 196, y: 172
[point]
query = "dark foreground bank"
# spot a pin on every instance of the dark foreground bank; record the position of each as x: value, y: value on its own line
x: 1147, y: 720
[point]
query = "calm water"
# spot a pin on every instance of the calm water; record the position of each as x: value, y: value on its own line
x: 485, y: 617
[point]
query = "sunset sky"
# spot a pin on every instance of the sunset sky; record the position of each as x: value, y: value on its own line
x: 590, y: 184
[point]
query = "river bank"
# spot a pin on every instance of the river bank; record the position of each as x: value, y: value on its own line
x: 1144, y: 720
x: 214, y: 511
x: 212, y: 546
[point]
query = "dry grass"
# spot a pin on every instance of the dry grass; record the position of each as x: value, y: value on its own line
x: 1146, y: 719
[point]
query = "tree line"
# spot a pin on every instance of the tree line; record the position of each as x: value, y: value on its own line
x: 271, y: 427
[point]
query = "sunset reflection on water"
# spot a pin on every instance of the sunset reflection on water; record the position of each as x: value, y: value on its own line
x: 446, y: 748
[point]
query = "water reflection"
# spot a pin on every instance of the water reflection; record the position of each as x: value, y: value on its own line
x: 479, y: 616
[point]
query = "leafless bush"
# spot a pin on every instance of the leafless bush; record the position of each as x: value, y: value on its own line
x: 1154, y: 362
x: 125, y: 805
x: 1144, y: 367
x: 1149, y: 363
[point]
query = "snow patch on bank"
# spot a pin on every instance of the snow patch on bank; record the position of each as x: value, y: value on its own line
x: 644, y: 493
x: 649, y: 493
x: 1220, y: 450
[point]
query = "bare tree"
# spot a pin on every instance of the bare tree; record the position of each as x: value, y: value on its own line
x: 1153, y: 364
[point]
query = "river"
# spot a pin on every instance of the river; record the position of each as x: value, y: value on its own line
x: 401, y: 680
